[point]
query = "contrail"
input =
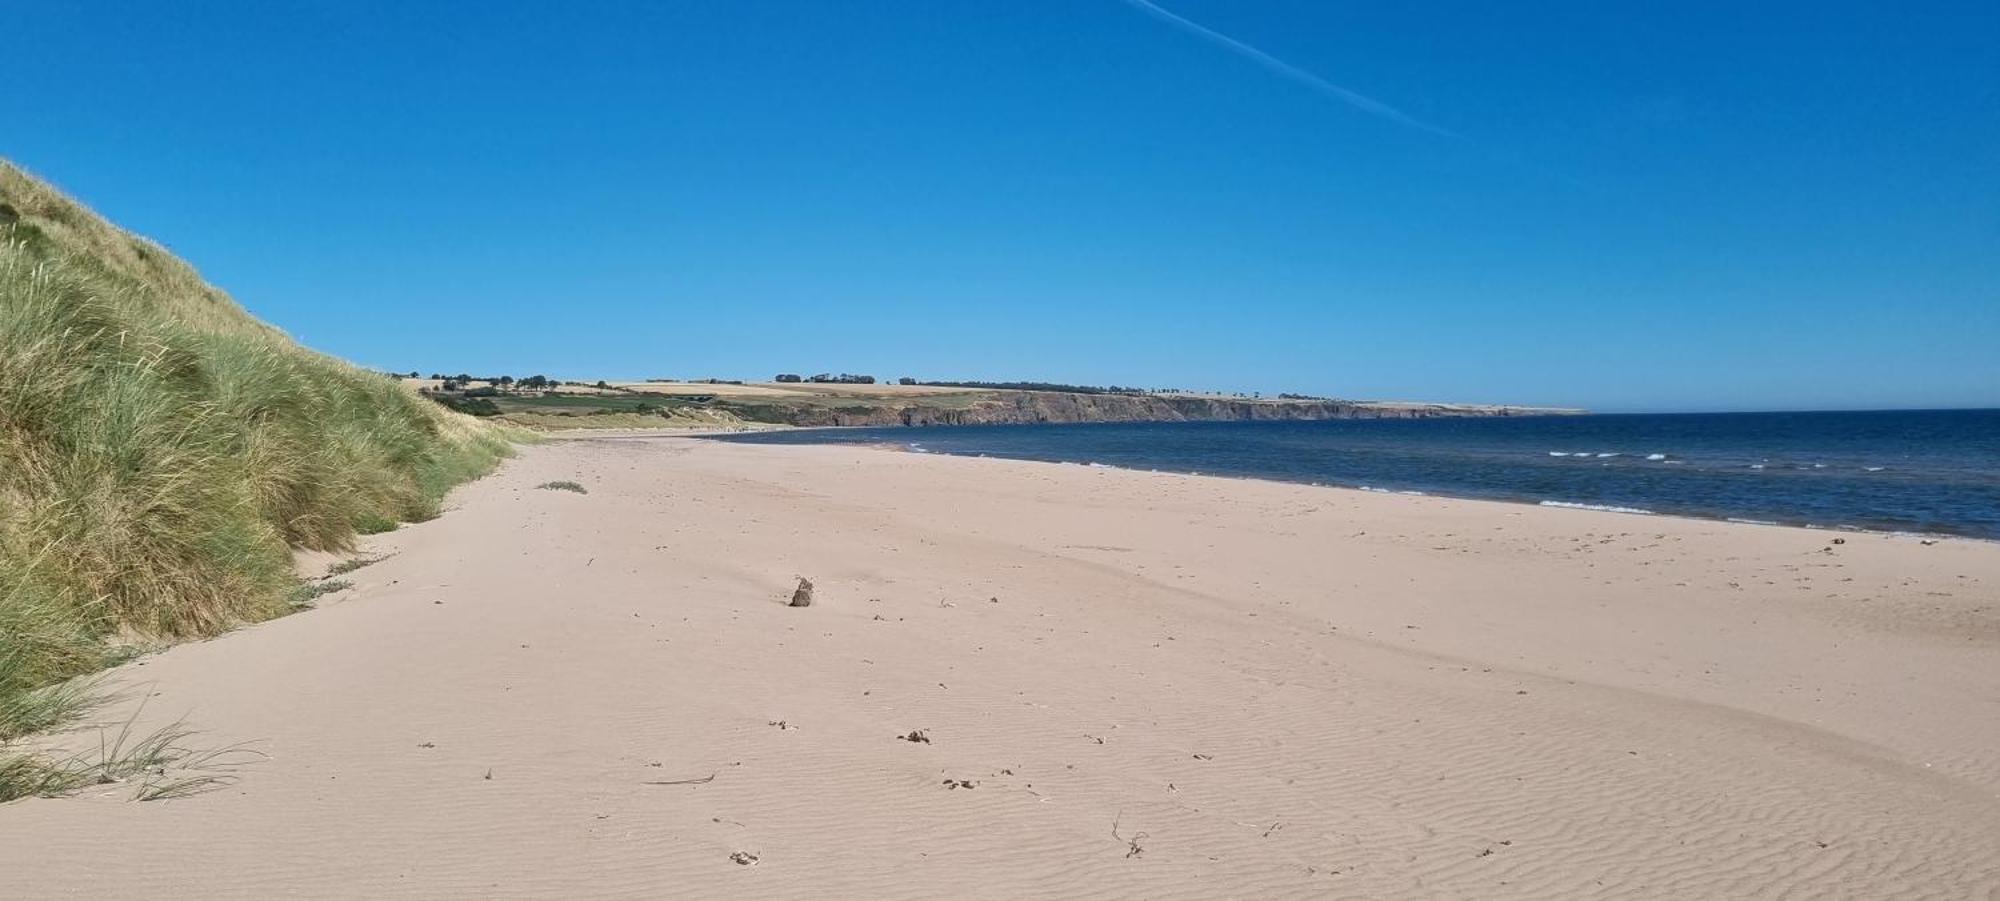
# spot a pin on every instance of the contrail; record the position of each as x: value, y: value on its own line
x: 1359, y: 101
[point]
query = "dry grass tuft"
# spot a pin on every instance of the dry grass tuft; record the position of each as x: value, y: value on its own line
x: 158, y: 765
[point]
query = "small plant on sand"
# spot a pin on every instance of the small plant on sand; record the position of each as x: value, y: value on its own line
x: 562, y: 485
x: 25, y: 775
x: 158, y: 765
x: 308, y: 592
x: 347, y: 566
x: 374, y: 524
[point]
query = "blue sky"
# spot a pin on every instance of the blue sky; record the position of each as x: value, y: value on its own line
x: 1622, y: 206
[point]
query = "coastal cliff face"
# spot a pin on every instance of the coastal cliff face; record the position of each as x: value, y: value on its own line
x: 1054, y: 406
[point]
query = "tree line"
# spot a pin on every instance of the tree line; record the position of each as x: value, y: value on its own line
x: 827, y: 378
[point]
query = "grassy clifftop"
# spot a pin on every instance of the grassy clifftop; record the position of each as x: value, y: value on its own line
x: 162, y: 451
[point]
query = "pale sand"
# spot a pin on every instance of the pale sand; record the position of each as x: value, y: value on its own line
x: 1274, y: 690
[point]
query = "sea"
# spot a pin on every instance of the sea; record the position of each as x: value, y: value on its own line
x: 1923, y: 471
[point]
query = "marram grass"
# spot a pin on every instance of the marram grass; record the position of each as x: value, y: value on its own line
x: 162, y: 452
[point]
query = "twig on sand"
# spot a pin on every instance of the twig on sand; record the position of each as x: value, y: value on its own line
x: 1131, y: 844
x: 702, y: 781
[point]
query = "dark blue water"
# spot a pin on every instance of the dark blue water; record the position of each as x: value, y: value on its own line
x: 1917, y: 471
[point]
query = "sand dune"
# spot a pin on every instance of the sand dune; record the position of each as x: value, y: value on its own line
x: 1133, y: 685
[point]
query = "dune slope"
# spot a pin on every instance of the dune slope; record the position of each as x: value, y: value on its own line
x: 162, y: 452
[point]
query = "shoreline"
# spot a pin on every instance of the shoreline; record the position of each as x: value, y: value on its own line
x: 1545, y: 503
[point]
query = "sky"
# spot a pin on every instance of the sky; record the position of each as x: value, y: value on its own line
x: 1626, y: 207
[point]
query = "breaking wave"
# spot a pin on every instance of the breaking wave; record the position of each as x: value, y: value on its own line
x: 1601, y: 508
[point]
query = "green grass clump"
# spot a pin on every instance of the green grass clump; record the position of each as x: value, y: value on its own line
x: 162, y: 452
x: 563, y: 485
x: 305, y: 593
x: 347, y: 566
x: 159, y: 765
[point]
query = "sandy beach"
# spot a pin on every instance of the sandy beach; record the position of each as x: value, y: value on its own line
x: 1124, y: 685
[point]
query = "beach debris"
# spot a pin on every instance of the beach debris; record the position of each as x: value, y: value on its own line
x: 802, y: 596
x: 916, y: 737
x: 781, y: 724
x: 956, y: 784
x: 744, y: 858
x: 702, y: 781
x: 1927, y: 542
x: 1132, y: 847
x: 1840, y: 541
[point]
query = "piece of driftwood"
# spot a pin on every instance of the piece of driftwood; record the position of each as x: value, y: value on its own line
x: 702, y: 781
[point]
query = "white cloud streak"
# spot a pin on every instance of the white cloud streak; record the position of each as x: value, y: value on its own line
x: 1354, y: 99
